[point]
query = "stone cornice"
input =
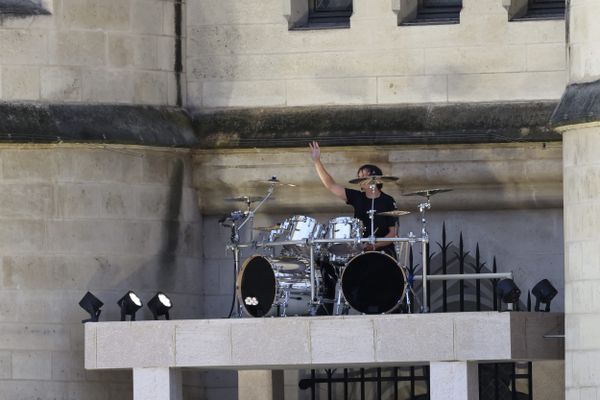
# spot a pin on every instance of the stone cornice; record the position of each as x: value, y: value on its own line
x: 277, y: 127
x: 579, y: 105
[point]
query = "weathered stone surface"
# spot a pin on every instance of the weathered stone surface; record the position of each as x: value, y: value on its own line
x: 579, y: 104
x: 464, y: 123
x: 162, y: 126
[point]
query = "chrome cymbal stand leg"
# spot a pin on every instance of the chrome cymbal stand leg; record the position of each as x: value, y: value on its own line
x: 339, y: 307
x: 423, y: 207
x: 236, y: 264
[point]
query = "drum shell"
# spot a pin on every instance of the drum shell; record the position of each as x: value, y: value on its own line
x: 297, y: 228
x: 267, y: 278
x: 343, y: 228
x: 373, y: 283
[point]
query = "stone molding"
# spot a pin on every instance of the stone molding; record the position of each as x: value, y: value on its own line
x: 114, y: 124
x: 277, y: 127
x: 580, y: 104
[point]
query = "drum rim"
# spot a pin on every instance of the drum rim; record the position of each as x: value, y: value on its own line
x: 402, y: 270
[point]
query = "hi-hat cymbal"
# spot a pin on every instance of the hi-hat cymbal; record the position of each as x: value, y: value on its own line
x: 266, y: 228
x: 247, y: 199
x: 427, y: 192
x: 373, y: 179
x: 393, y: 213
x: 273, y: 182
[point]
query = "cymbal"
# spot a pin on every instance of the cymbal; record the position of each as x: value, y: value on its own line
x: 373, y: 179
x: 393, y: 213
x: 273, y: 182
x: 427, y: 192
x: 247, y: 199
x: 266, y: 228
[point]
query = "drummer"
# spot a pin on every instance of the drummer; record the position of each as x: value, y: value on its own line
x: 361, y: 201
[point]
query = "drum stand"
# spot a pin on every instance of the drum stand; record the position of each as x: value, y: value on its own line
x: 234, y: 246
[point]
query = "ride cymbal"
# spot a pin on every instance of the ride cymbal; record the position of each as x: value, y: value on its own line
x: 247, y: 199
x: 373, y: 179
x: 393, y: 213
x: 427, y: 192
x: 273, y: 182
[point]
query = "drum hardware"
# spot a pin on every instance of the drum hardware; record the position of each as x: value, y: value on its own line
x: 393, y: 213
x: 266, y: 228
x: 423, y: 207
x: 245, y: 217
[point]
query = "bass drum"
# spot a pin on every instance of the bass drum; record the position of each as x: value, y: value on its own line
x: 373, y: 283
x: 268, y: 286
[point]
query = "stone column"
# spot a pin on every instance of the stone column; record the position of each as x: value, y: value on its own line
x: 157, y: 384
x: 260, y: 385
x: 457, y: 380
x: 578, y: 119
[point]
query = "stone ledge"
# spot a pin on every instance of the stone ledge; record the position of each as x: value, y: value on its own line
x: 375, y: 125
x: 114, y: 124
x: 306, y: 342
x: 580, y: 104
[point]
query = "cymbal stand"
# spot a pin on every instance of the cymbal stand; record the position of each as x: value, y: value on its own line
x: 423, y: 207
x: 371, y: 213
x: 248, y: 215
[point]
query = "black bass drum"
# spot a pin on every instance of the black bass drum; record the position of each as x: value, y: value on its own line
x: 373, y: 283
x: 275, y: 286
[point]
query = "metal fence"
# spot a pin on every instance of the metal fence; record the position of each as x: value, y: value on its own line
x: 497, y: 381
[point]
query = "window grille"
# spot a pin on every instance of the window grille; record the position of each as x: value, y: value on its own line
x: 329, y: 13
x: 545, y: 9
x: 437, y: 12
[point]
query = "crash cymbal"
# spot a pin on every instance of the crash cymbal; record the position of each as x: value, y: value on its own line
x: 273, y: 182
x: 373, y: 179
x: 247, y: 199
x: 266, y: 228
x: 427, y: 192
x: 393, y: 213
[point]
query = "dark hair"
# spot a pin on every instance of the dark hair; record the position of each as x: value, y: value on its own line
x: 372, y: 170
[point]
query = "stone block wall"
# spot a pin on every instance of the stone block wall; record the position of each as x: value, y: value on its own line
x: 91, y: 51
x: 241, y: 54
x: 82, y: 218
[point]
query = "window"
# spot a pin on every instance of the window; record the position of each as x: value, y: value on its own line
x: 329, y: 13
x: 23, y: 7
x: 436, y: 12
x: 545, y: 9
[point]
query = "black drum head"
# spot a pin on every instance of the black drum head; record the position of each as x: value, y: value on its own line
x: 373, y: 283
x: 257, y: 286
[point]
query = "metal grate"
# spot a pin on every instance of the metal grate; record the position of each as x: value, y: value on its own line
x: 543, y: 9
x: 329, y: 13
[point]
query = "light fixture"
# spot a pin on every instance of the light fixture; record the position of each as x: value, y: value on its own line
x: 160, y: 304
x: 92, y: 305
x: 509, y: 293
x: 129, y: 304
x: 544, y: 292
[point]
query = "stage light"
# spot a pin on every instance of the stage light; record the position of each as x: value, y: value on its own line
x: 508, y: 292
x: 92, y: 305
x: 129, y: 304
x: 160, y: 305
x: 544, y: 292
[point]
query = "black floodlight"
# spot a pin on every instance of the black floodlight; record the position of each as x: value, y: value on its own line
x: 160, y: 305
x: 508, y: 292
x: 544, y: 292
x: 129, y: 304
x: 92, y: 305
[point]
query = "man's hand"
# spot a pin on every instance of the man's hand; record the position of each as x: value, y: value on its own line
x: 315, y: 151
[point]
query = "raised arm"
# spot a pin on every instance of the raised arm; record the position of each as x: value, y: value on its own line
x: 326, y: 179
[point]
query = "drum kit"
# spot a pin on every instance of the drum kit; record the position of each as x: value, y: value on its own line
x: 301, y: 266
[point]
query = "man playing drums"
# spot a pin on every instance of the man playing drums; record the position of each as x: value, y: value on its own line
x: 369, y: 196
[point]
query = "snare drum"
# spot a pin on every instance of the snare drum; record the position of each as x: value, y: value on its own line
x: 343, y: 228
x: 373, y: 283
x: 268, y: 286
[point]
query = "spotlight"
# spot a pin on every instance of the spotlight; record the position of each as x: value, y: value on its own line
x: 92, y: 305
x: 129, y: 304
x: 160, y: 305
x: 544, y: 292
x: 508, y: 292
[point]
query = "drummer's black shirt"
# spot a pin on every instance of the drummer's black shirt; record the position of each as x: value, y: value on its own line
x: 362, y: 204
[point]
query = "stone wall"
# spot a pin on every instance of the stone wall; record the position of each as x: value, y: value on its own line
x: 241, y: 54
x: 82, y: 218
x: 91, y: 51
